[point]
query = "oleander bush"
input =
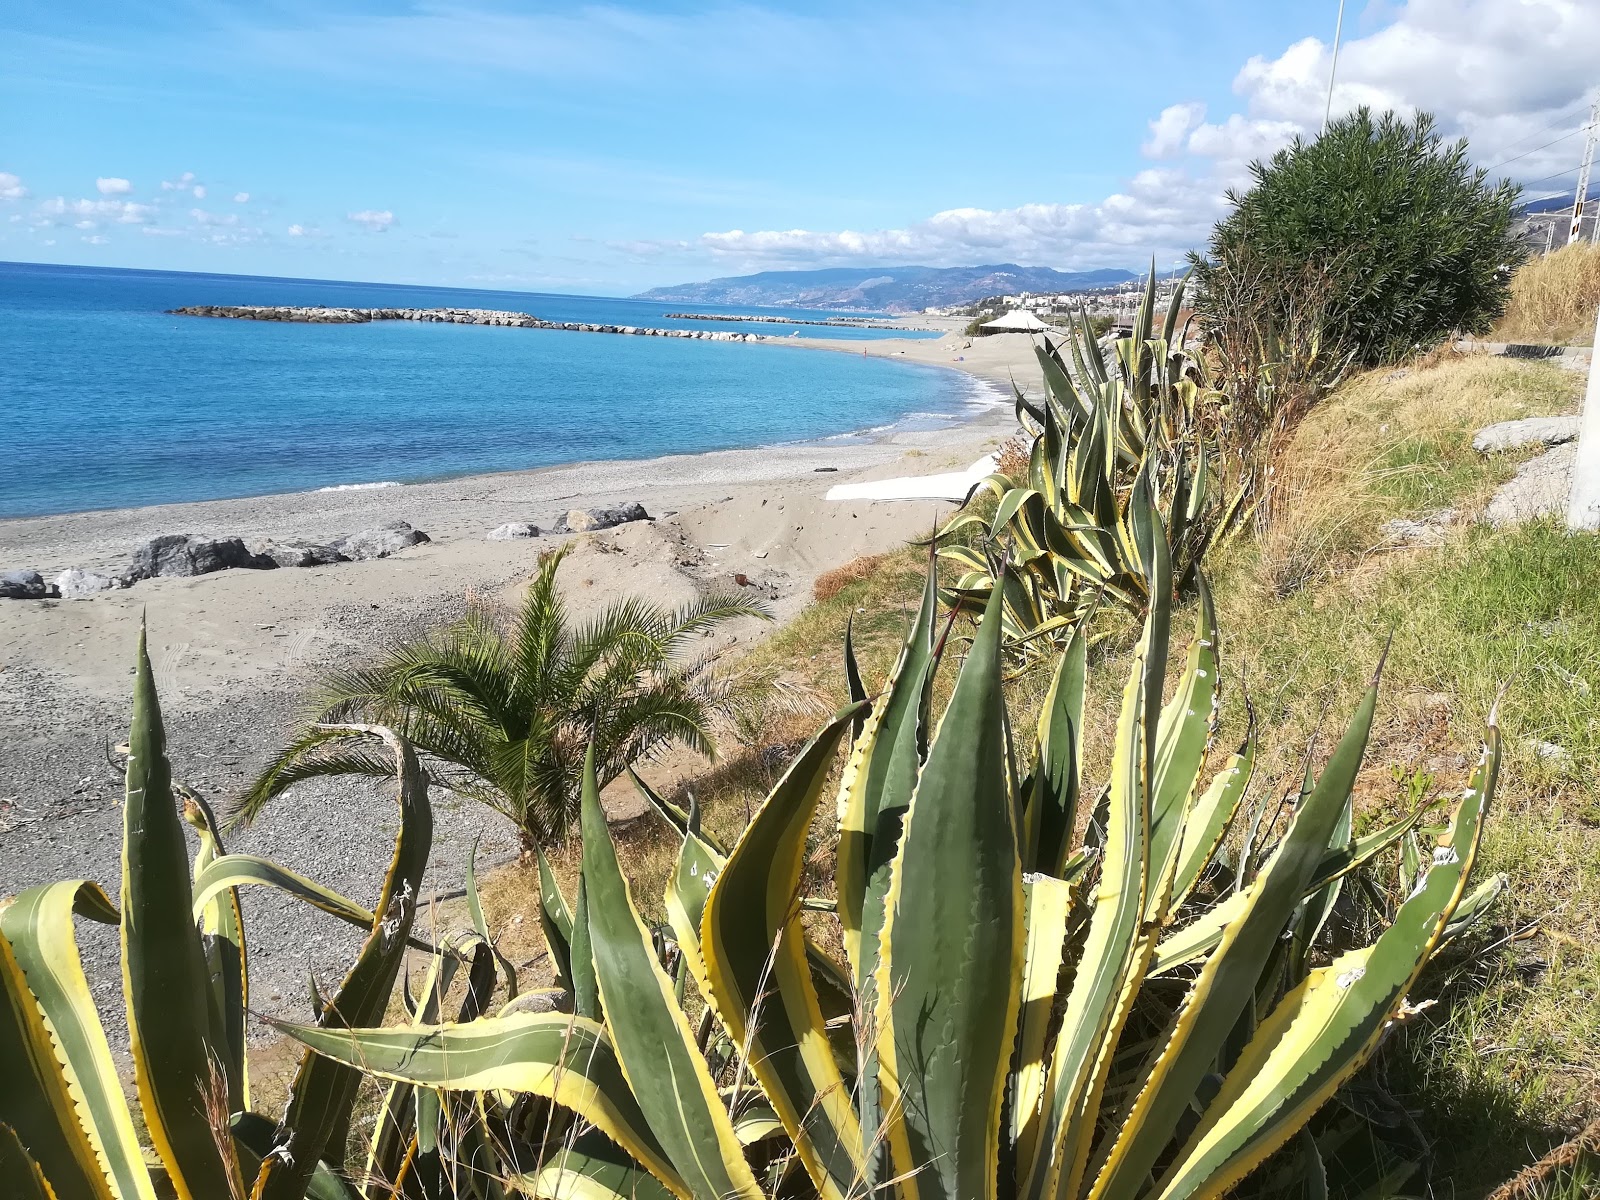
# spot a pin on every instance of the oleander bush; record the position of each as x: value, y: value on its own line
x: 1411, y: 242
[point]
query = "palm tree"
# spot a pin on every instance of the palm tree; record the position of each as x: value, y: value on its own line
x: 505, y: 705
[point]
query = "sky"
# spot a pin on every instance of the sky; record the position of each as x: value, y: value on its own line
x: 607, y: 148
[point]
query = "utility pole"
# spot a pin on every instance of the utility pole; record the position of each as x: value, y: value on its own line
x: 1576, y: 231
x: 1583, y: 505
x: 1338, y: 33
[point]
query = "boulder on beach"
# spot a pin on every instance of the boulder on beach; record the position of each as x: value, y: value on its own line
x: 511, y: 531
x: 586, y: 520
x: 301, y: 554
x: 180, y: 554
x: 23, y: 585
x: 74, y: 584
x: 379, y: 542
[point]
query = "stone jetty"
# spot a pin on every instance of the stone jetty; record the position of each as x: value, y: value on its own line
x: 453, y: 316
x: 831, y: 322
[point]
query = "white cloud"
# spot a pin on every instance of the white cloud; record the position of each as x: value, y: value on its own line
x: 183, y: 183
x: 61, y: 211
x: 96, y: 240
x: 1509, y: 77
x: 86, y: 224
x: 11, y: 187
x: 199, y: 192
x: 372, y: 220
x: 1169, y: 131
x: 112, y: 186
x: 159, y: 231
x: 241, y: 197
x: 297, y: 231
x: 202, y: 217
x: 1157, y: 213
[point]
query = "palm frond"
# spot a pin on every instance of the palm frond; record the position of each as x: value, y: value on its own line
x: 314, y: 754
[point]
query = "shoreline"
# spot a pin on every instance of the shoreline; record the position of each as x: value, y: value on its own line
x: 236, y: 651
x: 992, y: 371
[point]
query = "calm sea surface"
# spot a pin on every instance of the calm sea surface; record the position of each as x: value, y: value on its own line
x: 106, y: 402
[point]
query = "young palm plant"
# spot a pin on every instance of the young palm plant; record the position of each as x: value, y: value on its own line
x: 506, y: 707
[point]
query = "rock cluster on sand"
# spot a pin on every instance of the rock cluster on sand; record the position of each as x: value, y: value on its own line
x: 512, y: 531
x: 179, y: 554
x: 23, y: 585
x: 182, y: 555
x: 379, y: 542
x: 73, y: 584
x: 586, y: 520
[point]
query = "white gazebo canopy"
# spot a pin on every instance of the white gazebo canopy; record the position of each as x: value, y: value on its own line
x: 1018, y: 320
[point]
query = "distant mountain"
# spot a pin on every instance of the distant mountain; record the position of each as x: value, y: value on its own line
x: 883, y: 289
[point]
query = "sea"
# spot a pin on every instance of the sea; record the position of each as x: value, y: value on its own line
x: 106, y: 401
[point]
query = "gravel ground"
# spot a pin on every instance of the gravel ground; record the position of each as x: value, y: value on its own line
x: 60, y: 818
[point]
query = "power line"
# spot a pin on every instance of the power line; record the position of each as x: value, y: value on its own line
x: 1536, y: 149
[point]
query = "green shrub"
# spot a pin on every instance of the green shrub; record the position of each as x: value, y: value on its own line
x: 1406, y: 239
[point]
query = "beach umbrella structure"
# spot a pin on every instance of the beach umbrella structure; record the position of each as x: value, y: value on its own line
x: 1018, y: 320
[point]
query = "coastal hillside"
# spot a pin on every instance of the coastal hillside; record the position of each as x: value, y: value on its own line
x: 884, y: 289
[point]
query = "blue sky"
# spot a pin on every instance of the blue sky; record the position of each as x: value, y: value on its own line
x: 611, y: 147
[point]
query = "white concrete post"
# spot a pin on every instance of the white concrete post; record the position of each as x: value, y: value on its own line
x: 1583, y: 511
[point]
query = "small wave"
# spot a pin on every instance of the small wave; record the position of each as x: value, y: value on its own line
x: 359, y: 487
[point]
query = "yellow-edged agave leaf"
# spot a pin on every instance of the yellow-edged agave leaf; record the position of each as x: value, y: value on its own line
x: 1209, y: 819
x: 37, y: 925
x: 555, y: 919
x: 1180, y: 748
x: 1323, y: 1031
x: 687, y: 888
x: 566, y: 1058
x: 393, y: 1131
x: 324, y: 1090
x: 654, y: 1044
x: 949, y: 975
x: 1052, y: 814
x: 164, y: 976
x: 585, y: 988
x: 591, y: 1168
x: 760, y: 979
x: 1048, y: 903
x: 1170, y: 1077
x: 480, y: 924
x: 1200, y: 936
x: 877, y: 785
x: 227, y: 960
x: 20, y: 1175
x: 35, y: 1099
x: 1118, y: 944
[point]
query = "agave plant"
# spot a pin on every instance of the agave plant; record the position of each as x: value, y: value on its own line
x: 1112, y: 439
x: 1016, y: 1014
x: 505, y: 708
x: 66, y: 1129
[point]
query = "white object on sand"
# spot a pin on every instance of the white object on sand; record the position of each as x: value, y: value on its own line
x: 952, y: 485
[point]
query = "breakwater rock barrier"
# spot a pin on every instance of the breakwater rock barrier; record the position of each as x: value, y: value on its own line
x: 311, y: 315
x: 831, y: 322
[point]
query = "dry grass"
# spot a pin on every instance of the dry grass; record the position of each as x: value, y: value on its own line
x: 1554, y: 298
x: 830, y: 583
x: 1012, y: 461
x: 1507, y: 1065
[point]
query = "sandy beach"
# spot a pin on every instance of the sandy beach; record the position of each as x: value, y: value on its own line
x: 235, y: 651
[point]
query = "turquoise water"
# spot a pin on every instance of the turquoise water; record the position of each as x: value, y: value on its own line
x: 107, y: 402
